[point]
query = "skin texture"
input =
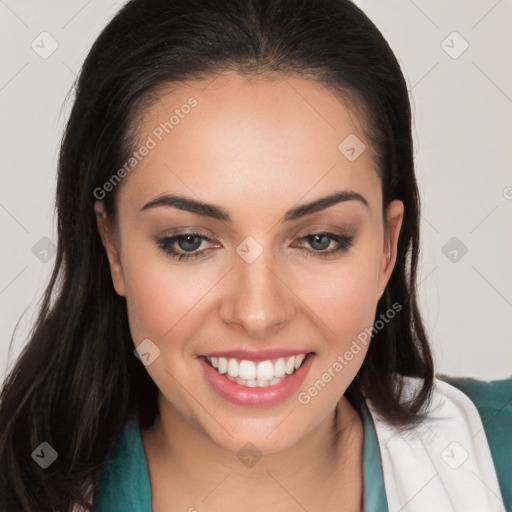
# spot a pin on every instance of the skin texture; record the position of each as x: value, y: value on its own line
x: 256, y: 148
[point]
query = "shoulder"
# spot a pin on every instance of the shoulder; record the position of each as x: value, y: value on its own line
x: 124, y: 482
x: 493, y: 401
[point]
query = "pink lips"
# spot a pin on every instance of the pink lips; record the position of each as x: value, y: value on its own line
x: 264, y: 396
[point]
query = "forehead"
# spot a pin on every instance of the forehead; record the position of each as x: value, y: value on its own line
x: 226, y: 137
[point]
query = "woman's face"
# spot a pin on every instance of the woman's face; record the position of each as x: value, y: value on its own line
x: 258, y: 291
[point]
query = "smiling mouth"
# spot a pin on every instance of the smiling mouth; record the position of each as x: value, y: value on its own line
x: 254, y: 374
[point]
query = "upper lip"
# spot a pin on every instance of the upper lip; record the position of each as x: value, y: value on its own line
x: 257, y: 355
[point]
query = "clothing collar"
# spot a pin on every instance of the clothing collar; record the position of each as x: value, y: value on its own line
x: 444, y: 463
x: 125, y: 485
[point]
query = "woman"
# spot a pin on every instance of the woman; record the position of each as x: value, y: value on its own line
x: 232, y: 320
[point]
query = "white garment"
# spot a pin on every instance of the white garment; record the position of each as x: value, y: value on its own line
x: 443, y: 465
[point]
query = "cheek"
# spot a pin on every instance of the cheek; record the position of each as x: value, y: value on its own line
x: 160, y: 296
x: 343, y: 298
x: 149, y: 310
x: 344, y: 301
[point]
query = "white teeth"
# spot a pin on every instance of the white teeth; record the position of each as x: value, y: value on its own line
x: 279, y: 368
x: 247, y: 370
x: 223, y: 365
x: 257, y: 374
x: 255, y: 383
x: 265, y: 370
x: 233, y: 368
x: 290, y: 366
x: 298, y: 360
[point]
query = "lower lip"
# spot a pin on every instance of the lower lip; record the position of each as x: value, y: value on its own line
x: 243, y: 395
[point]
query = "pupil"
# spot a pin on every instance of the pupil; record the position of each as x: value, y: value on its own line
x: 186, y: 239
x: 319, y: 237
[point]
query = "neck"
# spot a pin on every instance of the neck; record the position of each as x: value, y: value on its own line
x: 332, y: 452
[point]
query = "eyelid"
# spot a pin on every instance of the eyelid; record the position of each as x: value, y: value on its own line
x: 347, y: 230
x: 186, y: 230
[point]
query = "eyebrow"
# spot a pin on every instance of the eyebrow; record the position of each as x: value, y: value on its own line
x: 216, y: 212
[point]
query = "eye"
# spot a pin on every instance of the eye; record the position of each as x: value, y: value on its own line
x: 187, y: 245
x: 322, y: 241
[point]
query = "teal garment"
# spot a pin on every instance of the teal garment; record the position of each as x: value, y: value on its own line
x: 374, y: 492
x: 494, y: 403
x: 124, y: 484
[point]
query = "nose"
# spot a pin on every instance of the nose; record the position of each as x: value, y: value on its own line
x: 258, y: 301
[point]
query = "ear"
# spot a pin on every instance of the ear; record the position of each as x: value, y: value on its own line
x: 395, y: 214
x: 108, y: 240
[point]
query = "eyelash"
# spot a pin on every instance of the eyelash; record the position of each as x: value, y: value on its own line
x: 167, y: 245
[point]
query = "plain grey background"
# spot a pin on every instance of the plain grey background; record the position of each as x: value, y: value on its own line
x: 456, y: 59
